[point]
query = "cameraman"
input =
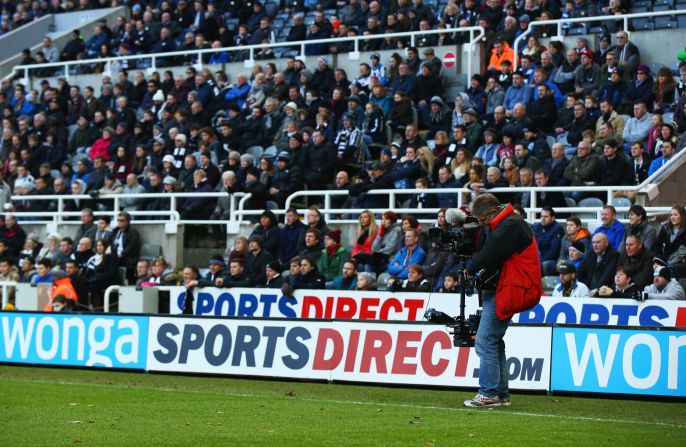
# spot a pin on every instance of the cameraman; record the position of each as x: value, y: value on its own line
x: 509, y: 265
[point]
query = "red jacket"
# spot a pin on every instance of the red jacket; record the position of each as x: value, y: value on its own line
x: 511, y: 248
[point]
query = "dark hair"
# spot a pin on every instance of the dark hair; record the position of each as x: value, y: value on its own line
x: 639, y: 211
x: 316, y: 232
x: 574, y: 219
x: 548, y: 209
x: 45, y: 262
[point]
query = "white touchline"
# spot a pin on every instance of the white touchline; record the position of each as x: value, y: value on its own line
x: 493, y: 411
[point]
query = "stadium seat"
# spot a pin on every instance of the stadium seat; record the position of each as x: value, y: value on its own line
x: 666, y: 22
x: 580, y: 31
x: 680, y: 5
x: 642, y: 24
x: 591, y: 202
x: 639, y: 9
x: 255, y: 151
x: 622, y: 202
x: 570, y: 202
x: 663, y: 3
x: 549, y: 283
x: 660, y: 8
x: 382, y: 280
x: 667, y: 117
x: 150, y: 251
x: 271, y: 9
x: 644, y: 3
x: 596, y: 30
x: 681, y: 21
x: 655, y: 67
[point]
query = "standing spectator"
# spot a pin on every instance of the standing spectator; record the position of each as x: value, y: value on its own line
x: 126, y: 244
x: 268, y: 230
x: 548, y: 233
x: 289, y: 236
x: 258, y: 260
x: 87, y: 227
x: 13, y: 235
x: 101, y: 270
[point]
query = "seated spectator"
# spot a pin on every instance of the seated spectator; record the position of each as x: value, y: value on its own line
x: 614, y: 167
x: 268, y: 229
x: 321, y: 162
x: 415, y: 282
x: 569, y: 286
x: 583, y: 169
x: 553, y: 199
x: 517, y: 93
x: 599, y: 265
x: 364, y: 237
x: 668, y: 152
x: 257, y: 260
x: 78, y: 280
x: 671, y: 240
x: 664, y: 287
x: 272, y: 273
x: 450, y: 283
x: 309, y: 277
x: 408, y: 255
x: 313, y: 244
x: 637, y: 258
x: 639, y: 226
x: 200, y: 207
x: 43, y: 272
x: 366, y: 281
x: 611, y: 226
x: 588, y: 77
x: 548, y: 233
x: 347, y: 280
x: 581, y: 122
x: 624, y: 286
x: 236, y: 276
x: 636, y: 128
x: 333, y: 256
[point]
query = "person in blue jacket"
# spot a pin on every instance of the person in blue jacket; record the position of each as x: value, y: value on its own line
x: 409, y: 255
x: 611, y: 226
x: 549, y: 234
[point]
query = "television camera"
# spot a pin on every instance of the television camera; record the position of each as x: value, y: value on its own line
x: 461, y: 242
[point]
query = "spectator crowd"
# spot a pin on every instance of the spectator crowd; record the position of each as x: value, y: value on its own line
x: 566, y: 117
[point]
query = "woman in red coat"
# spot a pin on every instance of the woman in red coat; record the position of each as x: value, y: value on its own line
x: 101, y: 145
x: 366, y: 231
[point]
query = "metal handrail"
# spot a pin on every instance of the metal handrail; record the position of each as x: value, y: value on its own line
x: 559, y: 22
x: 353, y: 55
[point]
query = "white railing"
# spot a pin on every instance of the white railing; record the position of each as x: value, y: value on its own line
x: 560, y: 22
x: 475, y: 34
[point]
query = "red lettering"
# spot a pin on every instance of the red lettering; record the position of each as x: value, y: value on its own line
x: 323, y: 338
x: 365, y: 312
x: 351, y: 355
x: 462, y: 359
x: 329, y: 307
x: 377, y: 351
x: 437, y: 337
x: 309, y: 302
x: 680, y: 317
x: 403, y: 351
x: 385, y: 307
x: 346, y: 308
x: 413, y: 306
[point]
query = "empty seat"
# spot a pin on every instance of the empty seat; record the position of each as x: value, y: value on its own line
x: 663, y: 3
x: 660, y: 8
x: 576, y: 31
x: 596, y: 30
x: 642, y: 24
x: 667, y: 117
x: 151, y: 251
x: 570, y: 202
x: 549, y: 283
x: 666, y: 22
x: 681, y: 20
x: 638, y: 9
x: 271, y: 9
x: 591, y: 202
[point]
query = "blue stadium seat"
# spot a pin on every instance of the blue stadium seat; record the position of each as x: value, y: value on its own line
x: 596, y: 30
x: 665, y: 22
x: 639, y: 9
x: 680, y: 5
x: 658, y: 8
x: 681, y: 21
x: 642, y: 24
x: 278, y: 23
x: 329, y: 12
x: 271, y: 8
x: 643, y: 3
x: 669, y: 3
x: 580, y: 31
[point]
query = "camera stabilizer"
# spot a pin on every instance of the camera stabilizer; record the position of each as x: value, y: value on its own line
x: 461, y: 243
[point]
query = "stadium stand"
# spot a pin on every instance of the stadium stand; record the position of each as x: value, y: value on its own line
x: 267, y: 116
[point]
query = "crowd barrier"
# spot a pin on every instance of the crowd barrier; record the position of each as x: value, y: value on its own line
x: 340, y: 304
x: 586, y: 359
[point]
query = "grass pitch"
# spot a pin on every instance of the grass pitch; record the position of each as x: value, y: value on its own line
x: 42, y: 406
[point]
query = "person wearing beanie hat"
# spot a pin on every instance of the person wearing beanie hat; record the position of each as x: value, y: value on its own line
x: 258, y: 259
x: 333, y: 256
x: 158, y: 96
x: 569, y: 286
x: 378, y: 70
x: 323, y: 79
x: 664, y: 287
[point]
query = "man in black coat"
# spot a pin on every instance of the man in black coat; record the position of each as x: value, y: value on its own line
x: 378, y: 179
x: 258, y: 259
x: 543, y: 111
x: 553, y: 199
x: 237, y: 277
x: 614, y: 166
x: 126, y: 245
x: 599, y: 266
x: 321, y: 162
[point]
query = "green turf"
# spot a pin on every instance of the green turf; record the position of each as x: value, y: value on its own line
x: 41, y: 406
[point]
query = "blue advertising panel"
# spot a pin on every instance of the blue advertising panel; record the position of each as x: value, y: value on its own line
x: 623, y: 361
x: 111, y: 341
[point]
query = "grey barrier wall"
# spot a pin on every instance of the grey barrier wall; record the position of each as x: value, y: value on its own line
x: 56, y: 26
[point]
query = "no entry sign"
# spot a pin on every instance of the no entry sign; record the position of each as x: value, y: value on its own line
x: 449, y: 59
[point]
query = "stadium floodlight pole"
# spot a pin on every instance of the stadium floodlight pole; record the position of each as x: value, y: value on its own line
x: 559, y: 22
